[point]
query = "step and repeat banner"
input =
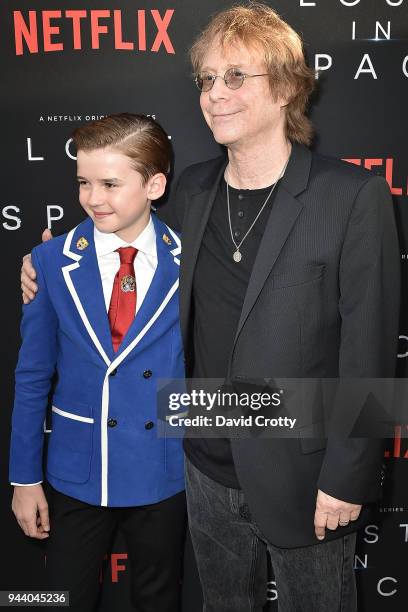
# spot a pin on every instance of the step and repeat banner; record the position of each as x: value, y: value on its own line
x: 64, y: 63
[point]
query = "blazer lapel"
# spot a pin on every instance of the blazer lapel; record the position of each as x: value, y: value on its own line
x: 162, y: 286
x: 194, y: 224
x: 84, y: 283
x: 285, y: 211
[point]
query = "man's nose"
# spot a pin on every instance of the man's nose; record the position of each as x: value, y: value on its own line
x: 219, y: 90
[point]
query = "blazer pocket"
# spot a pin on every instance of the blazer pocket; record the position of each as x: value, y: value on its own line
x: 297, y: 276
x: 70, y: 443
x: 312, y: 445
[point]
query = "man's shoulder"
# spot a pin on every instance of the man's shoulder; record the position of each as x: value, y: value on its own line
x: 161, y: 227
x: 200, y: 172
x: 340, y: 170
x: 193, y: 179
x: 339, y: 183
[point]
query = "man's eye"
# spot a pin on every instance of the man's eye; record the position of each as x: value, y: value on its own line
x: 207, y: 77
x: 110, y: 185
x: 236, y: 73
x: 81, y: 183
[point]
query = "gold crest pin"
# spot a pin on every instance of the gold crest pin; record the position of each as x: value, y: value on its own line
x: 82, y: 243
x: 128, y: 283
x: 166, y: 239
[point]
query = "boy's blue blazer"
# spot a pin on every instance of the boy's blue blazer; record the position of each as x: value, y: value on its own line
x: 103, y: 448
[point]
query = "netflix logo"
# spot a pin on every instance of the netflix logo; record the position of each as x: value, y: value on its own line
x: 50, y: 31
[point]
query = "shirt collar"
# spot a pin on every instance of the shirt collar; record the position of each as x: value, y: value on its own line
x: 108, y: 243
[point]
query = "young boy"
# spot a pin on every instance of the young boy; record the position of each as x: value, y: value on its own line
x: 106, y: 321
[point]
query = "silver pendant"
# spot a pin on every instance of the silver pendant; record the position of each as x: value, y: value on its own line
x: 237, y: 256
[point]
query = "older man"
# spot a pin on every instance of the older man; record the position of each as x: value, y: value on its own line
x: 289, y: 269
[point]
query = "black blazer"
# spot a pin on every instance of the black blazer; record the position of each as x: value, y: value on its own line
x: 322, y: 302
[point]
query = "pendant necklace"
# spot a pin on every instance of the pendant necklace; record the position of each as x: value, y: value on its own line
x: 237, y: 255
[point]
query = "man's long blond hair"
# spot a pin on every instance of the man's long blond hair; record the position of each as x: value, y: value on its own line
x: 259, y: 28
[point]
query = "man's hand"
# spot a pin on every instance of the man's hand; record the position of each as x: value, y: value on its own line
x: 31, y: 511
x: 332, y: 513
x: 28, y: 275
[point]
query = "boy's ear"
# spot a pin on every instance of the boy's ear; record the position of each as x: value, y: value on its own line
x: 156, y: 186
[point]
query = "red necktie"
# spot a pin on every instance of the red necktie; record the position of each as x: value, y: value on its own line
x: 122, y: 306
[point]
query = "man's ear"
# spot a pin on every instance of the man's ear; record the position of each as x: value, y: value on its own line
x: 156, y: 186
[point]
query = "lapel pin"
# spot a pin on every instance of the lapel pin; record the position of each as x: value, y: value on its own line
x: 82, y: 243
x: 166, y: 239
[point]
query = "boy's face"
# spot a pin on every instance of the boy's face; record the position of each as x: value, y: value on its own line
x: 112, y: 193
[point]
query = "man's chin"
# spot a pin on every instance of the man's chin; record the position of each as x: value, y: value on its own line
x: 224, y: 138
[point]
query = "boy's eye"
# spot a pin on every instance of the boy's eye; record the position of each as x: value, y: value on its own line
x: 110, y: 185
x: 81, y: 182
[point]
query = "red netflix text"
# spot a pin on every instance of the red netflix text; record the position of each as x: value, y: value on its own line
x: 399, y: 448
x: 100, y: 23
x: 388, y: 169
x: 114, y: 560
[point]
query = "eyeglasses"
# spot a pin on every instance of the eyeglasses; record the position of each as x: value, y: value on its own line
x: 233, y: 79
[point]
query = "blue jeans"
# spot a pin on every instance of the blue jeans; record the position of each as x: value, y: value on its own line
x: 231, y: 555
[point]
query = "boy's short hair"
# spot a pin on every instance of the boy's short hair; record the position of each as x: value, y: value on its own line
x: 258, y: 27
x: 137, y: 136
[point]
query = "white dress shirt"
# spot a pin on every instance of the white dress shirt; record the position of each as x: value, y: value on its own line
x: 145, y: 263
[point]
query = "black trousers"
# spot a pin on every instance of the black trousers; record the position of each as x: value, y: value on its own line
x: 81, y: 534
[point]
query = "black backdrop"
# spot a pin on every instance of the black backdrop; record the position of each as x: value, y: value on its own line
x: 54, y: 76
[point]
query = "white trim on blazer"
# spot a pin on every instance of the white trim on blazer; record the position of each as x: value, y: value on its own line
x: 71, y: 415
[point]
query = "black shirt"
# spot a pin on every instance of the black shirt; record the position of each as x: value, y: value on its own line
x: 219, y: 289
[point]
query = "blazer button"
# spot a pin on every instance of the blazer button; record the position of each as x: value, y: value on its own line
x: 147, y: 373
x: 149, y: 425
x: 112, y: 422
x: 114, y: 372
